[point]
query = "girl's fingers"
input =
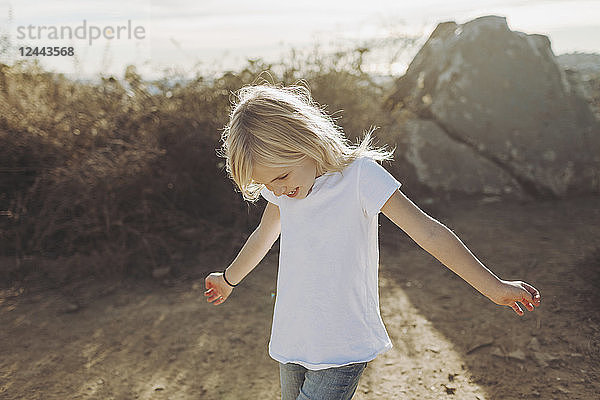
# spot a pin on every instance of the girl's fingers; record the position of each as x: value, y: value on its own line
x: 516, y: 308
x: 219, y: 301
x: 526, y: 301
x: 213, y: 296
x: 535, y: 294
x: 211, y: 293
x: 215, y: 300
x: 528, y: 305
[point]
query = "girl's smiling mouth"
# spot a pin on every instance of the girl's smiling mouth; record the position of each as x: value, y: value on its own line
x: 293, y: 193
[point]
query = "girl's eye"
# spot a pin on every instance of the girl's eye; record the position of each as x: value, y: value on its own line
x: 283, y: 177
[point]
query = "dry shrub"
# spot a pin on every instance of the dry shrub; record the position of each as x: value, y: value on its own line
x: 117, y: 178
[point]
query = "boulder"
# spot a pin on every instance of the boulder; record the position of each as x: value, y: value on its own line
x: 583, y: 72
x: 510, y: 120
x: 445, y: 164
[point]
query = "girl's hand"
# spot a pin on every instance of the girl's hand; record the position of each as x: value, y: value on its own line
x: 512, y: 292
x: 217, y: 289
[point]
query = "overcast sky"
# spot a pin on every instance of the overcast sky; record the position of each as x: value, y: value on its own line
x: 178, y: 34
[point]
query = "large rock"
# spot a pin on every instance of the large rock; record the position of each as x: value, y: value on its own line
x: 445, y: 164
x: 583, y: 72
x: 501, y: 96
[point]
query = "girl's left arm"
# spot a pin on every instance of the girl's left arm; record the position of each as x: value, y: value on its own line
x: 435, y: 238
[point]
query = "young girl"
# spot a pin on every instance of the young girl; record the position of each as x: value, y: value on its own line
x: 324, y: 197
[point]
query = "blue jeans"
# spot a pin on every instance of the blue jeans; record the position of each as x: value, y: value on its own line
x: 299, y: 383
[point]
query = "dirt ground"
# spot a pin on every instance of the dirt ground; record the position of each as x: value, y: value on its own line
x: 161, y: 340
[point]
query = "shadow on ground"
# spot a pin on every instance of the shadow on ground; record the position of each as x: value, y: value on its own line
x: 551, y: 353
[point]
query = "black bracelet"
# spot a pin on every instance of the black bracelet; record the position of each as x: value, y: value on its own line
x: 226, y: 281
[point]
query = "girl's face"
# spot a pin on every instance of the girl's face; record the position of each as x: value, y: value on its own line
x: 294, y: 181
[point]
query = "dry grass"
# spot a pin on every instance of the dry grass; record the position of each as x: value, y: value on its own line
x: 115, y: 179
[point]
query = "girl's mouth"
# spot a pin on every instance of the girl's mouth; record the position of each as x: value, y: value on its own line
x: 293, y: 193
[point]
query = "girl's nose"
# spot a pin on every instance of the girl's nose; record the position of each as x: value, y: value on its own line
x: 277, y: 190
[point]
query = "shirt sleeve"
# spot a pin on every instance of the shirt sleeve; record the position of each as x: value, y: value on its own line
x: 375, y: 186
x: 269, y: 196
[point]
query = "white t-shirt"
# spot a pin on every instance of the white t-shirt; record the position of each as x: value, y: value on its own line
x: 327, y: 306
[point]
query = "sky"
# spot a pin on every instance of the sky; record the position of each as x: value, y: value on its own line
x: 205, y: 35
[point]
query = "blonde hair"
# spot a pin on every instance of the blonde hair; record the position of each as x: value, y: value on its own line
x: 277, y: 126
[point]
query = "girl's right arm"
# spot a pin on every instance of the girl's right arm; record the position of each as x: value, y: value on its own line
x: 253, y: 251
